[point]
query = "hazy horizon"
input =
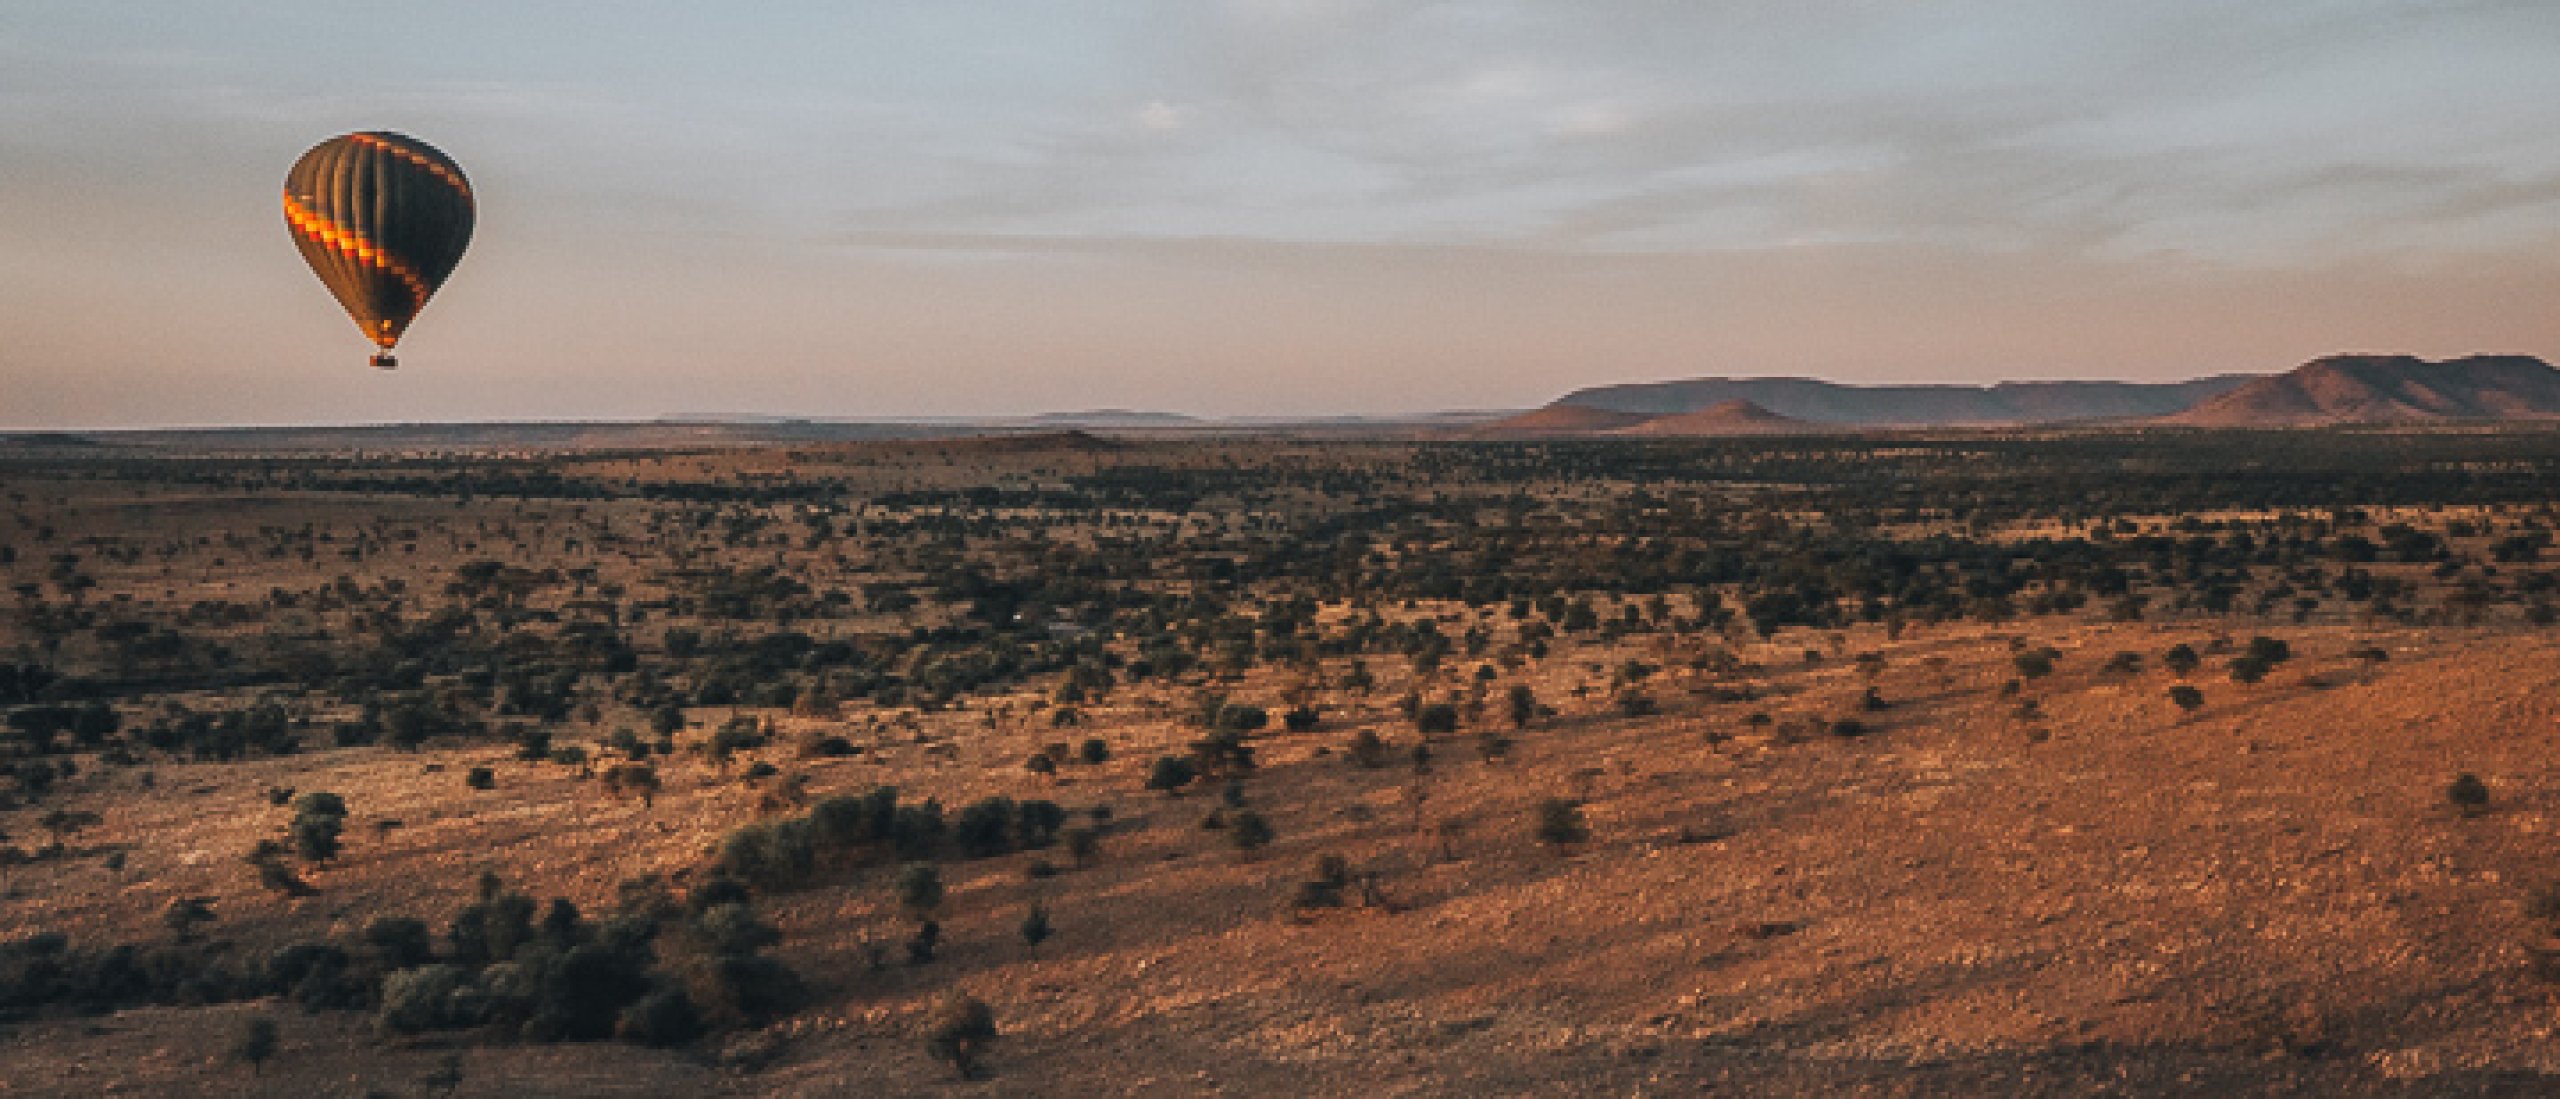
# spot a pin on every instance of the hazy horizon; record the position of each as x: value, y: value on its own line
x: 1268, y: 207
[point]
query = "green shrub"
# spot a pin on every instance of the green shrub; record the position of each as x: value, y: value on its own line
x: 432, y: 997
x: 491, y: 929
x: 663, y: 1018
x: 774, y: 854
x: 985, y: 827
x: 920, y: 889
x: 400, y: 942
x: 1036, y: 823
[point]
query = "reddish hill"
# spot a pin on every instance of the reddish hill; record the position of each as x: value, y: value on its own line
x: 1561, y: 419
x: 1735, y: 417
x: 2384, y: 389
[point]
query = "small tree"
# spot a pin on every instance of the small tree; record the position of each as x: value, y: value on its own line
x: 920, y: 890
x: 316, y: 838
x: 1557, y: 822
x: 959, y: 1031
x: 481, y: 778
x: 2181, y: 659
x: 2188, y: 699
x: 1523, y: 705
x: 2469, y: 795
x: 1035, y: 926
x: 256, y: 1044
x: 1082, y: 845
x: 318, y: 819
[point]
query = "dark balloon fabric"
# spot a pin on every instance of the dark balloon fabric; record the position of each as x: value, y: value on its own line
x: 382, y: 219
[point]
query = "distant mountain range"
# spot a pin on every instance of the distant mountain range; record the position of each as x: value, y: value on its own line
x: 2338, y: 390
x: 1916, y: 405
x: 2344, y: 389
x: 2387, y: 389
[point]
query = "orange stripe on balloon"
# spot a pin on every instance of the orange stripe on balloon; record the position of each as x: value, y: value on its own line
x: 415, y: 157
x: 330, y: 234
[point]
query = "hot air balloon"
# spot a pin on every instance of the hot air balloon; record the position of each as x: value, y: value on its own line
x: 382, y: 218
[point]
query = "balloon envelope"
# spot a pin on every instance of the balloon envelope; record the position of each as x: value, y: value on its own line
x: 382, y: 218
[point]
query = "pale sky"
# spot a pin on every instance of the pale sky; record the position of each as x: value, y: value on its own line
x: 1267, y: 207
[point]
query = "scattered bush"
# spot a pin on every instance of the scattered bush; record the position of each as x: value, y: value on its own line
x: 2188, y: 699
x: 959, y: 1031
x: 1436, y: 719
x: 1557, y: 822
x: 1367, y: 750
x: 1249, y: 832
x: 1170, y: 774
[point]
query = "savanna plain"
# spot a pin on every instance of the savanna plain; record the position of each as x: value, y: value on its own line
x: 2060, y: 763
